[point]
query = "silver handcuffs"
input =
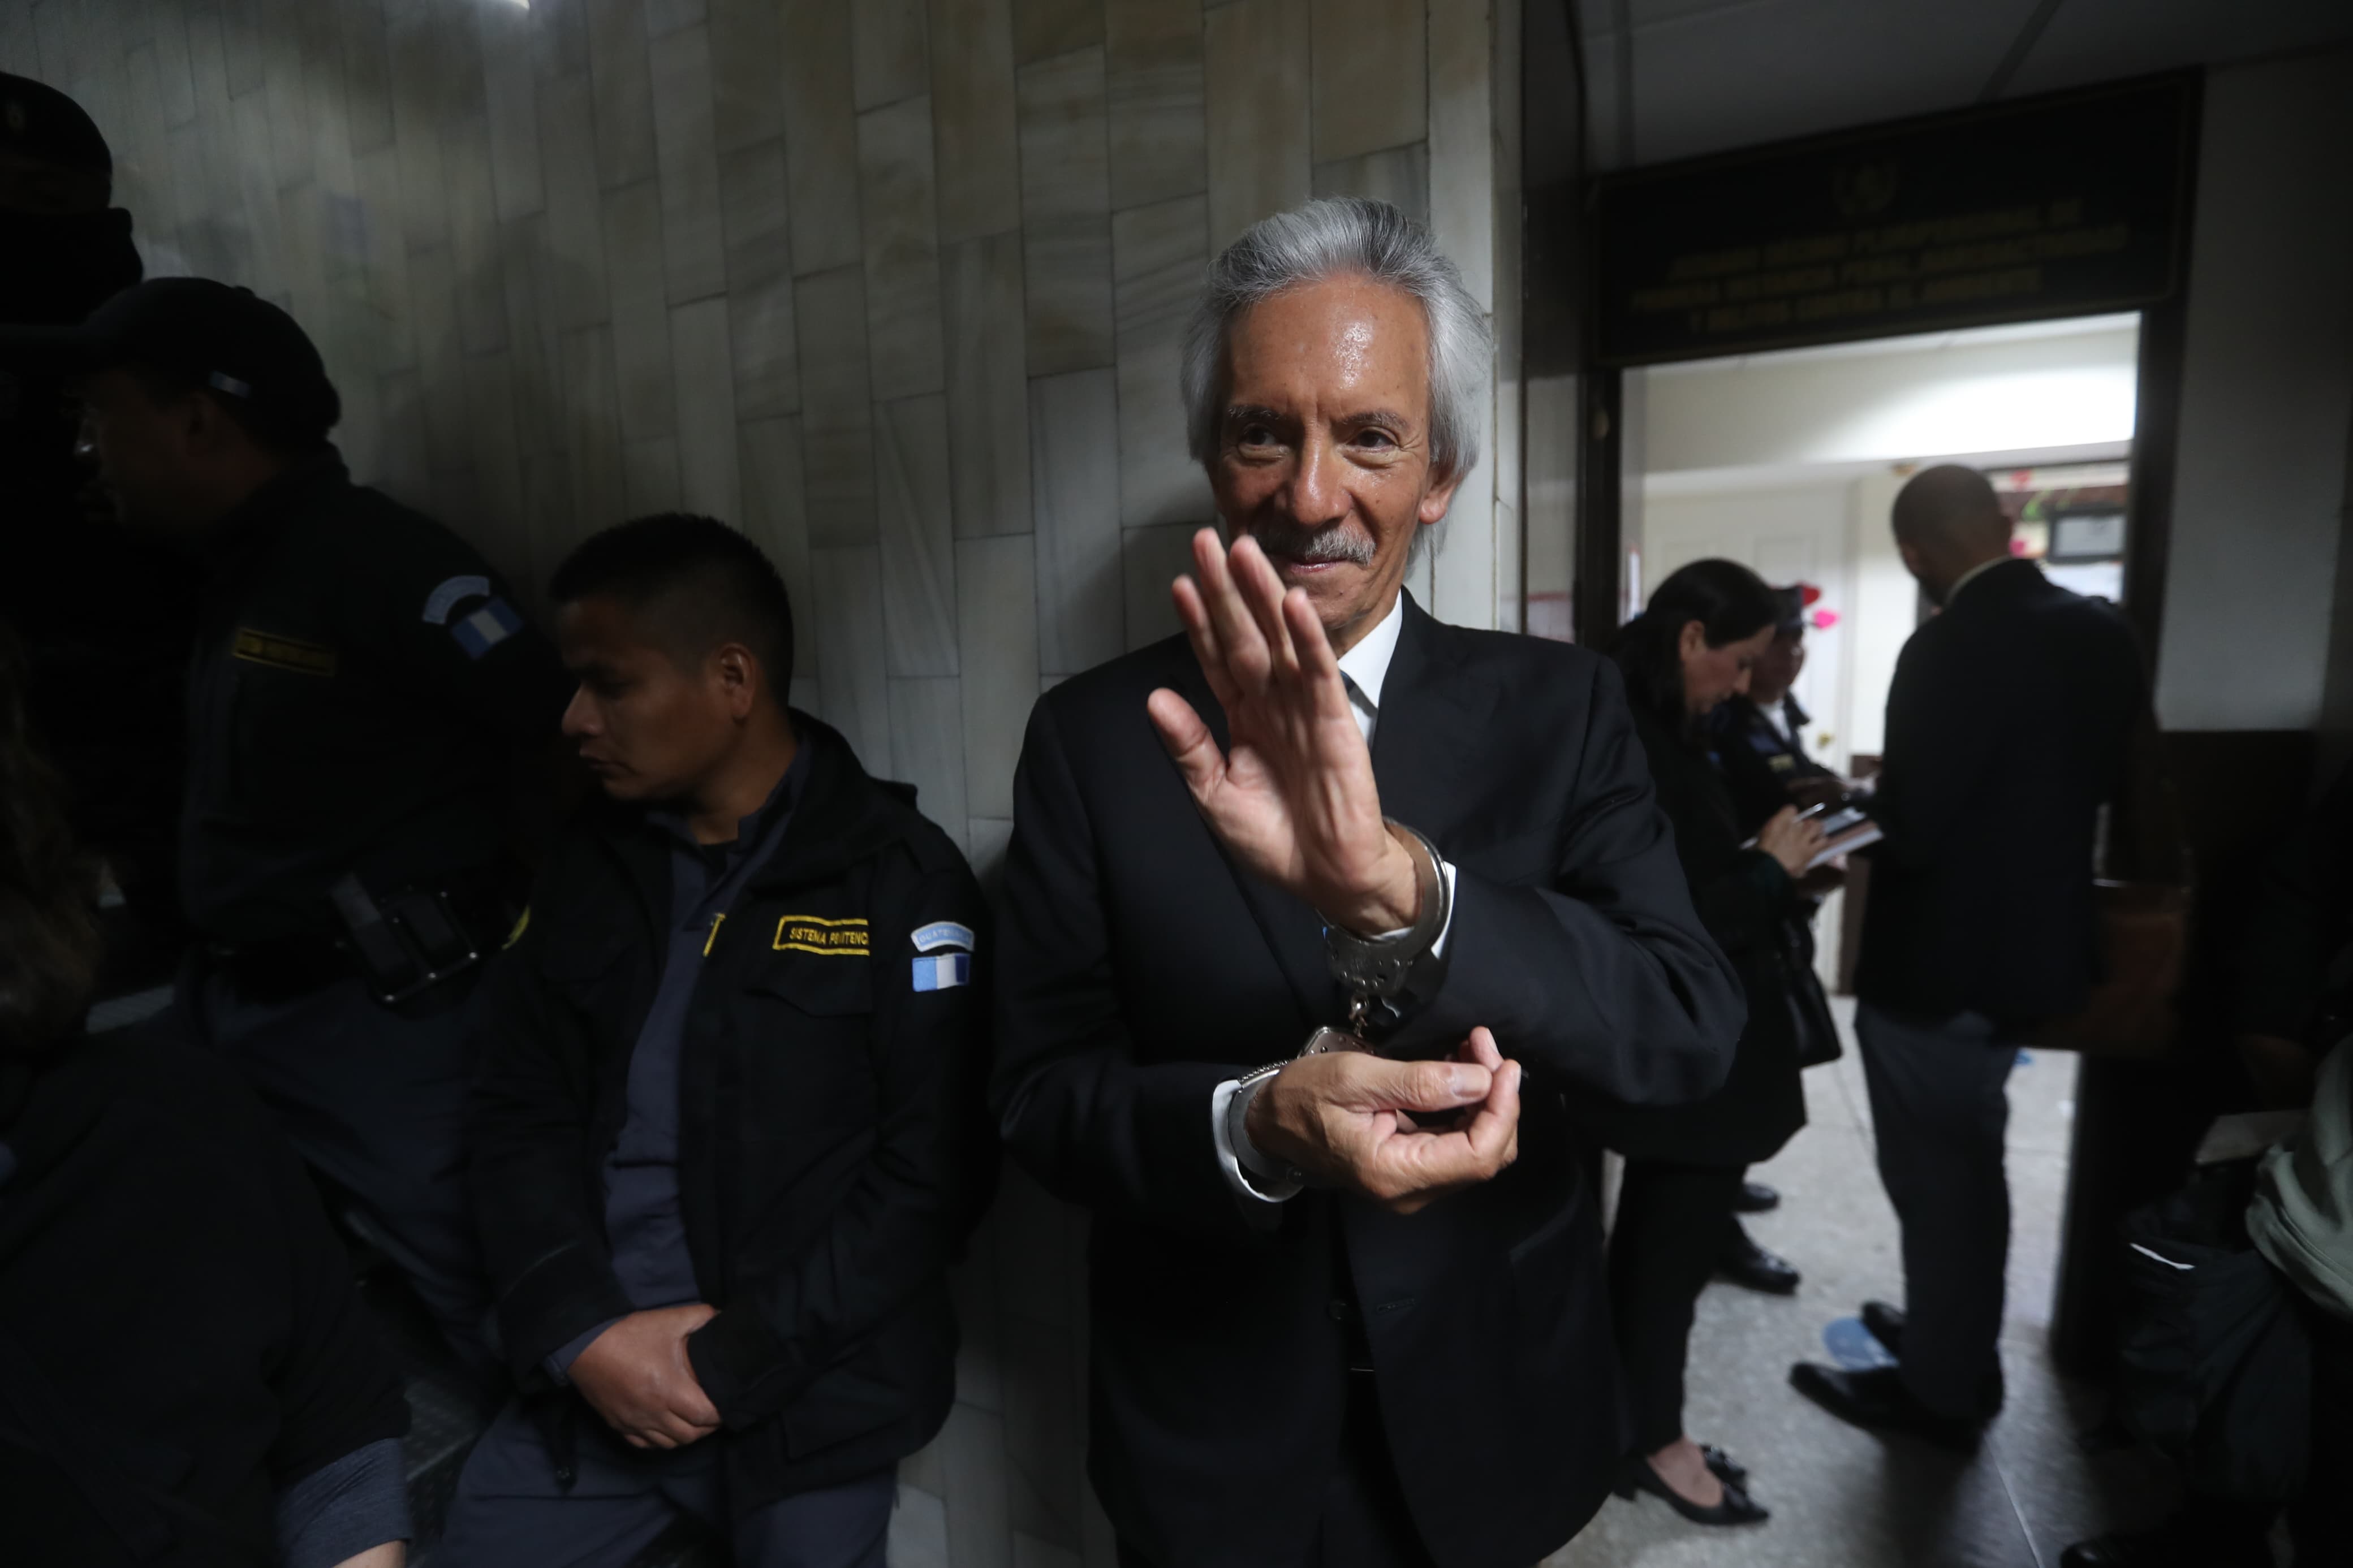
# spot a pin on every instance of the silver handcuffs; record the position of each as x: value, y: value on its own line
x: 1372, y: 969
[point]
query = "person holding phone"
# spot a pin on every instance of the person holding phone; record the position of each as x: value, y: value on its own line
x: 1696, y: 644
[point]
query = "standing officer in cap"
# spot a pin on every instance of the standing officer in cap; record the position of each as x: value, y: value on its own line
x: 360, y: 689
x: 103, y: 617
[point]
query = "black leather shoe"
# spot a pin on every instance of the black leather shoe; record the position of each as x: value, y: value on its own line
x: 1886, y: 1326
x: 1878, y: 1400
x: 1726, y: 1469
x: 1745, y: 1263
x: 1636, y: 1476
x: 1756, y: 1197
x: 2170, y: 1545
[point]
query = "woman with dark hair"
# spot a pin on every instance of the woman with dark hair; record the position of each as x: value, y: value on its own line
x: 1692, y: 647
x: 187, y: 1380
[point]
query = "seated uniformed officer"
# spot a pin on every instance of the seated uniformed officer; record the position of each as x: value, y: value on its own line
x: 360, y: 688
x: 730, y: 1125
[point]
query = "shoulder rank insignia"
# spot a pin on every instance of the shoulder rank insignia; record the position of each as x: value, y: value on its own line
x: 942, y: 955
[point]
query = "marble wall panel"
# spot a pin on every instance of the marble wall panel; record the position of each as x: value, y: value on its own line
x: 575, y: 234
x: 988, y: 404
x: 686, y: 151
x: 927, y: 747
x: 1043, y: 27
x: 1152, y: 84
x: 641, y: 309
x: 1371, y: 80
x: 1398, y: 175
x: 708, y: 479
x: 890, y: 53
x: 1159, y: 253
x: 837, y: 409
x: 1463, y: 141
x: 592, y: 416
x: 1074, y: 486
x: 857, y: 690
x: 820, y: 134
x: 509, y: 84
x: 776, y: 517
x: 1257, y: 56
x: 903, y: 258
x: 1151, y: 559
x: 474, y: 234
x: 911, y: 506
x: 753, y: 202
x: 1065, y: 212
x: 620, y: 77
x: 996, y: 629
x: 972, y: 109
x: 649, y: 478
x: 664, y: 17
x: 748, y: 62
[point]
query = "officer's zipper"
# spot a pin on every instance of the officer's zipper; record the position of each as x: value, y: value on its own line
x: 716, y: 921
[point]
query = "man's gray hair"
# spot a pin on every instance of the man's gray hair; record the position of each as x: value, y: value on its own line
x: 1335, y: 238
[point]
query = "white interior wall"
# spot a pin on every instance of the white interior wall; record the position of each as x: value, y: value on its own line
x: 2266, y: 403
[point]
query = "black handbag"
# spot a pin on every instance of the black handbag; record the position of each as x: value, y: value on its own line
x: 2215, y: 1360
x: 1813, y: 1032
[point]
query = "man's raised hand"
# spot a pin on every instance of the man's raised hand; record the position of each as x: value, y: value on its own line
x: 1351, y: 1120
x: 1295, y: 799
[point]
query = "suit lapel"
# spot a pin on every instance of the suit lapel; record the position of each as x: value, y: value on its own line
x: 1429, y: 740
x: 1293, y: 932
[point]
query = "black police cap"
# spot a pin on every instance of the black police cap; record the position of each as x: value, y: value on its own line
x: 194, y: 330
x: 37, y: 120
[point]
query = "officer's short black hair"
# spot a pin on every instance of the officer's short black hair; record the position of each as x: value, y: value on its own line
x: 697, y: 582
x: 266, y: 427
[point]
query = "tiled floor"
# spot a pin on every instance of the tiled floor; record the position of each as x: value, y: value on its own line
x: 1844, y: 1498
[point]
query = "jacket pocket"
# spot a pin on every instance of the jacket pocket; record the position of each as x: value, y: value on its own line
x: 842, y: 1404
x: 822, y: 988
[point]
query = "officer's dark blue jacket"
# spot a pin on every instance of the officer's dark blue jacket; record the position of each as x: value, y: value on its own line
x: 834, y: 1145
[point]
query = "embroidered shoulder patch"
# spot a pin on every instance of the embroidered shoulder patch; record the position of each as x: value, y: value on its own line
x: 486, y: 627
x: 449, y: 593
x: 942, y: 971
x: 827, y: 938
x: 940, y: 934
x: 283, y: 652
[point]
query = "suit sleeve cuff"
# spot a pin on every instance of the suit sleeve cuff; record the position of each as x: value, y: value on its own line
x: 1252, y: 1176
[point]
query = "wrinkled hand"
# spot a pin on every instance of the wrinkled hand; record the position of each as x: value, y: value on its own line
x: 637, y: 1376
x: 1790, y: 839
x: 1351, y: 1120
x: 1295, y: 800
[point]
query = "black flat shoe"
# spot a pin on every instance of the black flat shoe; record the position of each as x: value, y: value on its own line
x: 1877, y: 1400
x: 1636, y: 1476
x: 1886, y: 1325
x: 1745, y: 1263
x: 1724, y: 1465
x: 1756, y: 1197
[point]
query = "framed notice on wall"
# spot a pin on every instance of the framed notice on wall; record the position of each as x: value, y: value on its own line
x: 2070, y: 205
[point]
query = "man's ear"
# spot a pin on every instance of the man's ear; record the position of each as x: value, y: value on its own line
x: 1437, y: 498
x: 737, y: 672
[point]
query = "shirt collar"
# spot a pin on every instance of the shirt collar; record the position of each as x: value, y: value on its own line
x: 1972, y: 574
x: 1367, y: 664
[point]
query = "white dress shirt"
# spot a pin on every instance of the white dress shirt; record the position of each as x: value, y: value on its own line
x: 1364, y: 668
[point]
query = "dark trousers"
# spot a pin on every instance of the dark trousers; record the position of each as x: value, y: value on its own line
x: 509, y: 1509
x: 1364, y: 1523
x: 1939, y: 1113
x: 1669, y: 1234
x: 376, y: 1102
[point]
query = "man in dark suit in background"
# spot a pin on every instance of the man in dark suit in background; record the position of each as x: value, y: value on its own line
x: 1335, y: 1320
x: 2008, y: 723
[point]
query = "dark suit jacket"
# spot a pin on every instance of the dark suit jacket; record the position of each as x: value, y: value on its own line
x: 1748, y: 902
x: 1139, y: 969
x: 2006, y: 726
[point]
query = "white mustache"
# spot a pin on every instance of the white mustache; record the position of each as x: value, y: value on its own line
x: 1314, y: 546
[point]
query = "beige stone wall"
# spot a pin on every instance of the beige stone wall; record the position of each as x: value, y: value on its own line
x: 893, y: 286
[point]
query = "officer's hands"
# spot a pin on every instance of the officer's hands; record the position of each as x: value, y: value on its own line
x: 637, y: 1376
x: 1791, y: 839
x: 1351, y: 1120
x: 1295, y: 799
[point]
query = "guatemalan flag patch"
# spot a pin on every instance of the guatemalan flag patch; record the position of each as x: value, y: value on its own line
x: 942, y: 955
